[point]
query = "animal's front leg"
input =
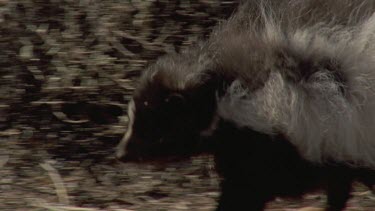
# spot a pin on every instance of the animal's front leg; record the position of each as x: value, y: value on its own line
x: 338, y: 193
x: 237, y: 196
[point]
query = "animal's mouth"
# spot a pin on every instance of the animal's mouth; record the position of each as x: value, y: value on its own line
x: 167, y: 151
x: 152, y: 159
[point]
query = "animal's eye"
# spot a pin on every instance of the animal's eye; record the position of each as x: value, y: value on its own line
x: 175, y: 98
x: 174, y: 102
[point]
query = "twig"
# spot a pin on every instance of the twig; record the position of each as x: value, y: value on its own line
x: 61, y: 191
x: 66, y: 208
x: 53, y: 207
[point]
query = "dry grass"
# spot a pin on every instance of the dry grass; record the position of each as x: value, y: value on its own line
x: 67, y: 69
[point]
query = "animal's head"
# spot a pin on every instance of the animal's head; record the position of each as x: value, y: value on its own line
x: 173, y: 105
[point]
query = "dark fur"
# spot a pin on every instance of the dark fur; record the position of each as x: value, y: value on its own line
x: 173, y: 120
x: 168, y: 126
x: 255, y: 167
x: 258, y: 168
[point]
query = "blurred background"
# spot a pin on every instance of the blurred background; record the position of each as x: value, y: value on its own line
x: 67, y: 71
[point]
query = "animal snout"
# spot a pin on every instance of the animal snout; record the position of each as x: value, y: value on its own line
x: 120, y: 154
x: 121, y: 150
x: 127, y: 151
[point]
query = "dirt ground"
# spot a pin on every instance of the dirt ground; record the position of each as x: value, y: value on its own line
x: 67, y: 70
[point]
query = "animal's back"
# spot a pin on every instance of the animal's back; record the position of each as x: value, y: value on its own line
x: 305, y: 69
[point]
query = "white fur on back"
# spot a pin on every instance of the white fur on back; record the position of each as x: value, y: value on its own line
x: 318, y: 118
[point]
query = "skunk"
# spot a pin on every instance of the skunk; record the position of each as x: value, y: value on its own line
x: 283, y: 95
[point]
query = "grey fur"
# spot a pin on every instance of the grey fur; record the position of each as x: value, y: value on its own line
x: 304, y: 68
x: 322, y: 121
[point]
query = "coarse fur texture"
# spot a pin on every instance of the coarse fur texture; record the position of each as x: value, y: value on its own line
x: 266, y: 167
x: 312, y: 79
x: 283, y: 93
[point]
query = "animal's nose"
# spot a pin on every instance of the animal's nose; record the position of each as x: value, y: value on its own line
x: 120, y: 159
x: 125, y: 157
x: 120, y: 154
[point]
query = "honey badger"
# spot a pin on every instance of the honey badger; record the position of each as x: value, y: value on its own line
x: 283, y: 95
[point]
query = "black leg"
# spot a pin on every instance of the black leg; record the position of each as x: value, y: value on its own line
x: 237, y: 196
x: 338, y: 193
